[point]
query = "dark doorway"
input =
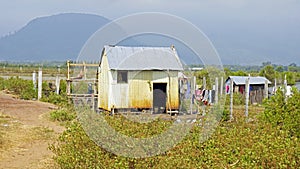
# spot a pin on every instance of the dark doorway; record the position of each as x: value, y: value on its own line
x: 159, y: 97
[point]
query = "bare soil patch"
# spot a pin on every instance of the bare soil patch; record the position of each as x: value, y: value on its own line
x: 25, y: 133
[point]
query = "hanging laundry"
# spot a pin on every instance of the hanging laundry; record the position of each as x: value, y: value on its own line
x: 213, y: 94
x: 227, y: 89
x: 198, y: 94
x: 205, y: 95
x: 188, y: 91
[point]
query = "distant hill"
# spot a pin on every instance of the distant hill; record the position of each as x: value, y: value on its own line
x: 53, y: 38
x: 61, y: 37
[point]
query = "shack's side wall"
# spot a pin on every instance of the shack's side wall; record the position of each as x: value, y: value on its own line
x: 104, y: 88
x: 254, y: 87
x: 138, y: 92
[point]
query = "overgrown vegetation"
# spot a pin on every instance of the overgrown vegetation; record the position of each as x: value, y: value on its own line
x: 25, y: 90
x: 234, y: 144
x: 270, y: 140
x: 284, y: 113
x: 238, y: 99
x: 51, y: 69
x: 62, y: 115
x: 18, y: 86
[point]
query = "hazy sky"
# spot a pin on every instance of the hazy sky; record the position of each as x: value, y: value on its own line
x: 273, y: 24
x: 16, y: 13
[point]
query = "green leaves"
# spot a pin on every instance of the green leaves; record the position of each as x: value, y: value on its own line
x: 23, y: 88
x: 268, y: 72
x: 282, y: 113
x: 236, y: 144
x: 270, y: 141
x: 62, y: 115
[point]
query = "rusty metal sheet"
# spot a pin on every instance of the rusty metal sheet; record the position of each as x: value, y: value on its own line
x: 140, y: 89
x: 173, y: 95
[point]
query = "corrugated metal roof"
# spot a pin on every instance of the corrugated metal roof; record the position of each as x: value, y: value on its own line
x: 142, y: 58
x: 241, y: 80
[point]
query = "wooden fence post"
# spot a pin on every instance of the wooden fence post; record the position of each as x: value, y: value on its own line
x: 193, y: 89
x: 247, y: 89
x: 285, y: 88
x: 204, y: 83
x: 275, y: 86
x: 231, y: 99
x: 40, y: 82
x: 57, y: 84
x: 216, y: 90
x: 34, y: 80
x: 84, y: 71
x: 68, y: 78
x: 266, y: 89
x: 221, y: 86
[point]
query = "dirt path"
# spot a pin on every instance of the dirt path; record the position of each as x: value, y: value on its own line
x: 26, y: 133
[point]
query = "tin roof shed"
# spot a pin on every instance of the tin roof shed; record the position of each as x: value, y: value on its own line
x: 142, y: 58
x: 139, y: 78
x: 241, y: 80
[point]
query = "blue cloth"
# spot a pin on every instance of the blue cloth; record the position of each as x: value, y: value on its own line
x: 188, y: 91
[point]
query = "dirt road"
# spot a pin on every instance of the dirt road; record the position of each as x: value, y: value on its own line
x: 25, y: 133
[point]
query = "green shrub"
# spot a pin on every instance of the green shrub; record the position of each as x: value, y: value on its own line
x: 63, y: 87
x: 21, y: 87
x: 56, y: 99
x: 28, y: 94
x: 2, y: 83
x: 236, y: 144
x: 284, y: 113
x: 62, y: 115
x: 238, y: 99
x: 226, y: 115
x: 76, y: 150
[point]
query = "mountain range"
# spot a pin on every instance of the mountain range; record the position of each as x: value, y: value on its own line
x: 60, y: 37
x: 53, y: 38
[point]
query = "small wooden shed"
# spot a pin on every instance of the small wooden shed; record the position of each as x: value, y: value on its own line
x: 239, y: 82
x: 139, y: 78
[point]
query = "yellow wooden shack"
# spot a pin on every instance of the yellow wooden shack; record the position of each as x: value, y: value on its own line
x: 139, y: 78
